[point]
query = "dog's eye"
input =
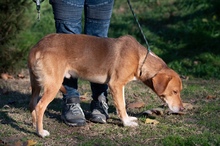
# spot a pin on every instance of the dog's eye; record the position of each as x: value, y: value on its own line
x: 175, y: 92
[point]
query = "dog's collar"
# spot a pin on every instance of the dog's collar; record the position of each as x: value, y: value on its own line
x: 145, y: 58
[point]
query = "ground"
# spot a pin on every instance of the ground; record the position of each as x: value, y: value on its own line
x: 198, y: 125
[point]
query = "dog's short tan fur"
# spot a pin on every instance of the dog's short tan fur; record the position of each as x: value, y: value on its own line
x: 100, y: 60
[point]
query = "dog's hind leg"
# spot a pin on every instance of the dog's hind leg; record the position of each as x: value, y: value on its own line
x: 50, y: 91
x: 34, y: 97
x: 51, y: 84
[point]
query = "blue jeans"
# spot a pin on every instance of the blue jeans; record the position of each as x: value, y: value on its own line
x: 68, y: 19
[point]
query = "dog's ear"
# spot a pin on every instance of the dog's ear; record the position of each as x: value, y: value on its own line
x: 160, y: 82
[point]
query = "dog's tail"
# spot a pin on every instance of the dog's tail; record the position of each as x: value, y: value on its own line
x: 35, y: 67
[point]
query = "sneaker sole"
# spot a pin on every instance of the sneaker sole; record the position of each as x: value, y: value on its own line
x: 98, y: 120
x: 73, y: 124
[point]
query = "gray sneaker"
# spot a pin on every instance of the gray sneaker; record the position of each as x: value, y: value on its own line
x: 72, y: 114
x: 99, y: 110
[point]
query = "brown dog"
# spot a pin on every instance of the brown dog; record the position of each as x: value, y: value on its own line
x: 99, y: 60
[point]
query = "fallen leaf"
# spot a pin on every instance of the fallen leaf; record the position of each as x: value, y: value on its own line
x: 30, y: 143
x: 134, y: 105
x: 188, y: 106
x: 6, y: 76
x: 162, y: 111
x: 150, y: 121
x: 210, y: 97
x: 21, y: 76
x: 158, y: 111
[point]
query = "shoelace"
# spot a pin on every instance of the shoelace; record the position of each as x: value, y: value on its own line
x: 105, y: 107
x: 75, y: 109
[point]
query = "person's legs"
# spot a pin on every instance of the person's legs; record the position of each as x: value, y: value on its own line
x: 97, y: 21
x: 67, y: 15
x: 97, y: 17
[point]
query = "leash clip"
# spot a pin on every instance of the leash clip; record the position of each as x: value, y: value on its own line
x: 38, y: 7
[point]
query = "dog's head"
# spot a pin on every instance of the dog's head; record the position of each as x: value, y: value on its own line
x: 167, y: 85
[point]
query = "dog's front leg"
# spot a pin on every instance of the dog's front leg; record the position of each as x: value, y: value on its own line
x: 117, y: 91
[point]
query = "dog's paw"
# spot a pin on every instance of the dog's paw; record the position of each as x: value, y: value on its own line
x: 44, y: 133
x: 130, y: 121
x: 133, y: 118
